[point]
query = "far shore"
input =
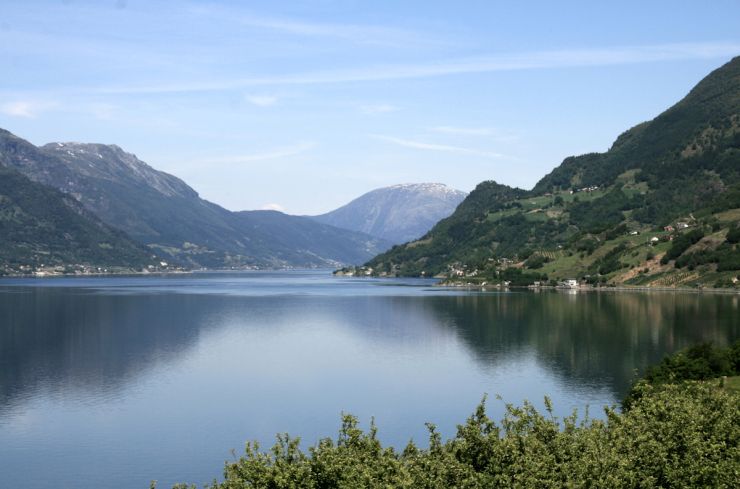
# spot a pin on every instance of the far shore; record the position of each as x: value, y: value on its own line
x: 137, y: 273
x: 440, y: 284
x: 621, y: 288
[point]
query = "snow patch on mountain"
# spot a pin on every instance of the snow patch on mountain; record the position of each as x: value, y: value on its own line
x: 398, y: 213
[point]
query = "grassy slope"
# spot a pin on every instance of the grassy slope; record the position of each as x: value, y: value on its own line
x: 733, y: 384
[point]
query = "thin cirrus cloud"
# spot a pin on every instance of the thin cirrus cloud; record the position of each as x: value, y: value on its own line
x: 262, y: 100
x: 409, y: 143
x: 25, y: 108
x: 465, y: 131
x: 274, y: 154
x: 355, y: 33
x: 570, y: 58
x: 489, y: 132
x: 359, y: 34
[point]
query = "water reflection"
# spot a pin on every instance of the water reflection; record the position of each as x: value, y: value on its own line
x: 590, y: 338
x: 62, y: 338
x: 159, y: 378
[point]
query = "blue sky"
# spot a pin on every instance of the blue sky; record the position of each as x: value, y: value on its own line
x: 304, y: 105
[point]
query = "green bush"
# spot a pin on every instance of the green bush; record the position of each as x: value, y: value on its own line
x: 681, y: 243
x: 536, y: 261
x: 726, y: 256
x: 700, y: 362
x: 733, y: 235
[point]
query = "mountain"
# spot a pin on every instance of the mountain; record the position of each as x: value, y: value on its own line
x: 42, y: 229
x: 297, y: 239
x: 660, y: 207
x: 397, y: 214
x: 164, y: 213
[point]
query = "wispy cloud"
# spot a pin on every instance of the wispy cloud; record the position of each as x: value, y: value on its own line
x: 273, y: 207
x: 262, y: 100
x: 499, y: 62
x: 409, y: 143
x: 488, y: 132
x: 267, y: 155
x: 465, y: 131
x: 355, y: 33
x: 373, y: 109
x: 26, y: 108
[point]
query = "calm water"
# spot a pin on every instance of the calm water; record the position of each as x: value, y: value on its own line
x: 113, y: 382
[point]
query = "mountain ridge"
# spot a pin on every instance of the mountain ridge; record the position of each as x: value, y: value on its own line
x: 397, y: 213
x: 164, y: 213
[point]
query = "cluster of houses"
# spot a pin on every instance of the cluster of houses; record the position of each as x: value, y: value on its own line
x: 590, y: 189
x: 44, y: 270
x: 572, y: 191
x: 670, y: 228
x: 679, y: 225
x: 357, y: 272
x: 569, y: 283
x: 458, y: 270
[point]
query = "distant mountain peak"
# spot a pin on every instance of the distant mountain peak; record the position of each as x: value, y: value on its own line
x: 398, y: 213
x: 112, y: 162
x: 431, y: 187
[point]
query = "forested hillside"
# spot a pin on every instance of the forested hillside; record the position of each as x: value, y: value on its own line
x: 42, y: 229
x: 661, y: 207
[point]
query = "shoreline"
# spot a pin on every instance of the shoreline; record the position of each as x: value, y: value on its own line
x: 130, y: 273
x: 441, y: 284
x: 134, y: 273
x: 623, y: 288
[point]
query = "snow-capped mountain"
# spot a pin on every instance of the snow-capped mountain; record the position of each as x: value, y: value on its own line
x: 399, y: 213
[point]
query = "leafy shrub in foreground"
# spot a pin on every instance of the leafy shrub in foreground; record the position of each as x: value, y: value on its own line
x: 699, y: 362
x: 673, y: 436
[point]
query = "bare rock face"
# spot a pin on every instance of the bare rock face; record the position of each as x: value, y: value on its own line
x: 399, y: 213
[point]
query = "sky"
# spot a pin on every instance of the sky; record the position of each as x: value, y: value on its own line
x: 302, y: 106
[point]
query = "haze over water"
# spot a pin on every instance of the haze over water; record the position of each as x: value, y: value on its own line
x: 113, y: 382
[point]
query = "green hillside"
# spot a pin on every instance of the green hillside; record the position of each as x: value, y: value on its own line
x: 660, y: 208
x: 42, y: 229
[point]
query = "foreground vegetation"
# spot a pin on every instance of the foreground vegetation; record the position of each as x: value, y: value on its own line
x: 700, y: 362
x: 672, y: 433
